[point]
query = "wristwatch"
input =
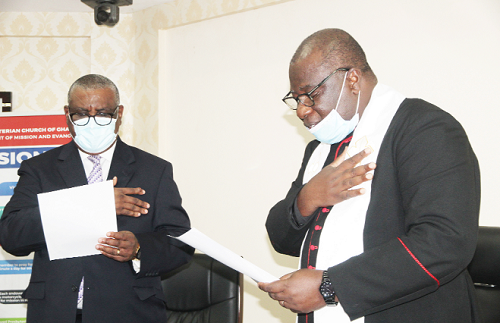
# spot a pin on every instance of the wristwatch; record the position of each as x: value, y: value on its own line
x: 138, y: 253
x: 326, y: 290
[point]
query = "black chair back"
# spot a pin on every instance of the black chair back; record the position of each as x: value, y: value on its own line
x: 203, y: 291
x: 485, y: 272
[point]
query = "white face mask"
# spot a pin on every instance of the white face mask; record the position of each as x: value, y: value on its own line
x: 333, y: 128
x: 93, y: 138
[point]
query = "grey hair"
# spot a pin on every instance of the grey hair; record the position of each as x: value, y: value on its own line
x: 94, y: 82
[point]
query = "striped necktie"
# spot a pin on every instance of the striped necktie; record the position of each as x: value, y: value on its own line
x: 95, y: 175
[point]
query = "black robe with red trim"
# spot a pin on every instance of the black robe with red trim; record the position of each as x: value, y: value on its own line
x: 421, y: 224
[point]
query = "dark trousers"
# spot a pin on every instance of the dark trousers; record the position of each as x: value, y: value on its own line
x: 78, y: 316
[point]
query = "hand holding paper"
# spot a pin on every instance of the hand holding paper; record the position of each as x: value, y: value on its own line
x: 297, y: 291
x: 74, y: 219
x: 120, y: 246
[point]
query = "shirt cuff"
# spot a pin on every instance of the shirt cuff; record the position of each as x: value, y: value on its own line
x: 297, y: 217
x: 136, y: 264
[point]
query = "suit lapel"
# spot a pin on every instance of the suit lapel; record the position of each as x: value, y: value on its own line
x: 123, y: 164
x: 70, y: 166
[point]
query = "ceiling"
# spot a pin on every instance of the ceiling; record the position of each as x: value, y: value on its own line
x: 68, y: 5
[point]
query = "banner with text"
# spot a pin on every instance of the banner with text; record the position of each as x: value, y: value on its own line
x: 21, y: 137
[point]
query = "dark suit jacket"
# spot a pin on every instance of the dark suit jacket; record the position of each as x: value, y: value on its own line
x: 113, y: 291
x: 421, y: 225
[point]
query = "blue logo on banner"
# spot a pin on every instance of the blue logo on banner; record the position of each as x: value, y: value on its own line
x: 7, y: 188
x: 12, y: 157
x: 15, y: 267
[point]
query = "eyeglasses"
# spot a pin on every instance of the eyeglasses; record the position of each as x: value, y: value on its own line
x: 306, y: 98
x: 101, y: 118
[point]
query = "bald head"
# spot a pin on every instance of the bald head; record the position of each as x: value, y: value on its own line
x: 337, y: 48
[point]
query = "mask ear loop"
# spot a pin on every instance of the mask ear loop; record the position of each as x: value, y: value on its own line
x: 357, y: 105
x: 69, y: 118
x: 342, y: 90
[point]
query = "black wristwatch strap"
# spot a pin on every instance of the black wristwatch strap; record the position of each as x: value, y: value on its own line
x: 326, y: 290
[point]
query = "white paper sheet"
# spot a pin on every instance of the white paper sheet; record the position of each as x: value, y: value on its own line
x: 74, y: 219
x: 198, y: 240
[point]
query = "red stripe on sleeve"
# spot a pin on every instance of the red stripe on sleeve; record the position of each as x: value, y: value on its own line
x: 419, y: 263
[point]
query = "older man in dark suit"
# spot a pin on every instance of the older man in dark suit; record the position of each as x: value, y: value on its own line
x: 123, y: 283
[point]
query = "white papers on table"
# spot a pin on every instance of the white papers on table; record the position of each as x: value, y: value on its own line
x: 198, y: 240
x: 74, y: 219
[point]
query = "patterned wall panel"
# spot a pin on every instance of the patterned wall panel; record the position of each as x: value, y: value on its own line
x: 45, y: 24
x: 39, y: 70
x: 41, y: 54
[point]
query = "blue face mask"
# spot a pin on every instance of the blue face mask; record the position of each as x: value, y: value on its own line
x: 333, y: 128
x: 93, y: 138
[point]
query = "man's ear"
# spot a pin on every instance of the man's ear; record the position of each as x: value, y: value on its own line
x: 354, y: 80
x: 120, y: 110
x: 119, y: 119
